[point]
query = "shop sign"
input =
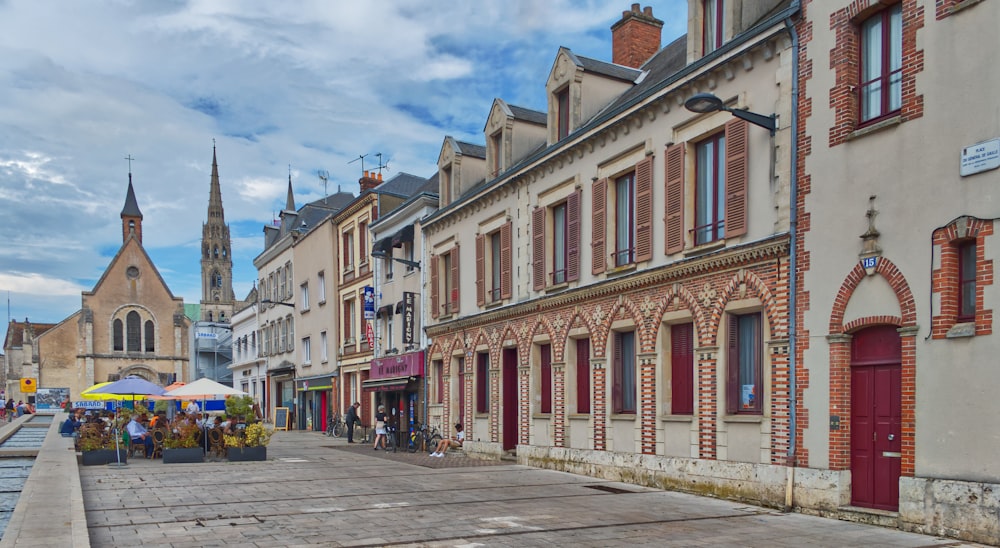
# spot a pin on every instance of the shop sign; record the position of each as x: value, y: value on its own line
x: 369, y: 297
x: 409, y: 299
x: 403, y: 365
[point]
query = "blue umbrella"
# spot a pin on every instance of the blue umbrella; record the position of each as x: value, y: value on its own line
x: 129, y: 386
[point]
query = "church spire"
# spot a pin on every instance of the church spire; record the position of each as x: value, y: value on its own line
x: 217, y: 298
x: 215, y: 210
x: 290, y: 199
x: 131, y: 216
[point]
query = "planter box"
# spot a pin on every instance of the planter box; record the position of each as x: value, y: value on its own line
x: 103, y: 456
x: 246, y: 453
x: 183, y: 455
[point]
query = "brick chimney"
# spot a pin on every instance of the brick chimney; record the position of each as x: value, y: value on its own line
x: 370, y: 180
x: 636, y: 37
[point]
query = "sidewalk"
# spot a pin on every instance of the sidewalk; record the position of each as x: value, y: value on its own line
x: 320, y: 491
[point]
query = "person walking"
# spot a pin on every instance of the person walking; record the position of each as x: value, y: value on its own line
x: 351, y: 419
x: 380, y: 427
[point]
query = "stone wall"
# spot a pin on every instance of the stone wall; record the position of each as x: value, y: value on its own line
x: 962, y: 509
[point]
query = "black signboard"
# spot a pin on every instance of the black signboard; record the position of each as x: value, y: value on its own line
x: 281, y: 418
x: 408, y: 305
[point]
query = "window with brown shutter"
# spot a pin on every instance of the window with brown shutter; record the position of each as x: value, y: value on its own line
x: 505, y: 260
x: 644, y: 210
x: 480, y: 269
x: 538, y: 248
x: 435, y: 289
x: 453, y: 309
x: 674, y: 211
x: 737, y: 162
x: 545, y: 378
x: 682, y: 369
x: 573, y: 236
x: 600, y: 226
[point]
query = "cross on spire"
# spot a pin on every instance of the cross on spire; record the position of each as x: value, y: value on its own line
x: 129, y: 158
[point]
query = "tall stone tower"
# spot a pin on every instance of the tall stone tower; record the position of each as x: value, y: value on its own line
x: 217, y: 298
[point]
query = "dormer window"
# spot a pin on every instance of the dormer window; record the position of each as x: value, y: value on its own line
x: 562, y: 112
x: 711, y: 26
x: 446, y: 185
x: 496, y: 153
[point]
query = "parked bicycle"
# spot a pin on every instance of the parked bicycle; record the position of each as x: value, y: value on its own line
x: 390, y: 438
x: 422, y: 438
x: 335, y: 426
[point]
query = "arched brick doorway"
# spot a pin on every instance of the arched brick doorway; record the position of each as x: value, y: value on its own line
x: 876, y: 417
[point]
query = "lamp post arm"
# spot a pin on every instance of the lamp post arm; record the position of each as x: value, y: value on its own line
x: 769, y: 123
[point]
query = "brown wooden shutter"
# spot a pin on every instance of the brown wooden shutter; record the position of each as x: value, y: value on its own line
x: 481, y: 269
x: 644, y: 210
x: 600, y: 226
x: 538, y: 248
x: 435, y: 289
x: 573, y: 236
x: 505, y: 260
x: 737, y: 161
x: 674, y: 211
x: 682, y: 369
x: 732, y: 365
x: 616, y: 374
x: 455, y: 295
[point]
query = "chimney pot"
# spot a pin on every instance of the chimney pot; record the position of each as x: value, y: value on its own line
x: 636, y: 37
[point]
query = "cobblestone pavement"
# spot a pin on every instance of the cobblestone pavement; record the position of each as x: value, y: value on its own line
x: 319, y: 491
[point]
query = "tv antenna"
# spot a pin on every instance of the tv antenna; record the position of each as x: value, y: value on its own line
x: 324, y: 176
x: 362, y: 158
x: 382, y: 166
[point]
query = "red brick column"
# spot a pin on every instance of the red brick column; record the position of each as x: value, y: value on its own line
x: 647, y: 402
x: 600, y: 404
x: 708, y: 394
x: 840, y: 400
x: 559, y: 404
x: 780, y: 400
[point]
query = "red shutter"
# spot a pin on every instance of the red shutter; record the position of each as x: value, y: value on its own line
x: 583, y: 375
x: 682, y: 369
x: 481, y: 269
x: 573, y: 236
x: 616, y: 375
x: 600, y: 227
x: 454, y: 280
x: 505, y: 260
x: 538, y: 248
x: 644, y: 210
x: 435, y: 290
x: 732, y: 365
x: 674, y: 210
x: 737, y: 161
x: 546, y: 378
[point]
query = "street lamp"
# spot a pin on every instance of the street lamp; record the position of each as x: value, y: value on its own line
x: 282, y: 303
x: 378, y: 253
x: 704, y: 103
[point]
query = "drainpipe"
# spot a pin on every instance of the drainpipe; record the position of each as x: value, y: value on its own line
x: 793, y: 259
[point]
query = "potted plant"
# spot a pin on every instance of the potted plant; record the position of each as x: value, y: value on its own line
x: 182, y: 444
x: 98, y: 447
x: 251, y: 444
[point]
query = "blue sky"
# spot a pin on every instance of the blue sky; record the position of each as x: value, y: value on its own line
x: 310, y: 85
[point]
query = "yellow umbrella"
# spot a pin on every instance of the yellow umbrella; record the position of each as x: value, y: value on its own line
x: 108, y: 397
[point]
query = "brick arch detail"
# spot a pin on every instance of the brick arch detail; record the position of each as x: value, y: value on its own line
x: 756, y: 287
x: 888, y: 270
x: 840, y: 363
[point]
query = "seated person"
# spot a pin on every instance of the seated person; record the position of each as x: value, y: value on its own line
x: 138, y: 434
x: 448, y: 443
x: 72, y: 425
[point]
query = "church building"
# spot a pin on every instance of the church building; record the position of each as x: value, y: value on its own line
x: 217, y: 297
x: 128, y: 324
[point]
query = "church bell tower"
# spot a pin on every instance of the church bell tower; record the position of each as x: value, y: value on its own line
x: 217, y: 298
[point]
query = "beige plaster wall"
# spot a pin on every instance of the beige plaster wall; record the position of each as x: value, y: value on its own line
x: 913, y: 169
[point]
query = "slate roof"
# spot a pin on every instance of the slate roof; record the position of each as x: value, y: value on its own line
x: 610, y: 70
x: 469, y: 149
x: 402, y: 184
x: 15, y: 332
x: 131, y: 208
x: 528, y: 115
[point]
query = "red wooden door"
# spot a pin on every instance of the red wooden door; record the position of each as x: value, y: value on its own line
x: 509, y: 402
x: 876, y: 408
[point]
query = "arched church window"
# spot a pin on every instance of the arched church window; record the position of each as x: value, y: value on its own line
x: 224, y: 252
x: 206, y: 252
x: 119, y: 335
x: 131, y: 226
x: 218, y: 280
x: 150, y: 337
x: 133, y: 328
x: 216, y: 252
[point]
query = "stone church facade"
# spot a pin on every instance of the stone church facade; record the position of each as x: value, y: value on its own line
x: 128, y: 324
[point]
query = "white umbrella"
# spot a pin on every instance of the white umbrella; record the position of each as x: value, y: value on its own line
x: 204, y: 389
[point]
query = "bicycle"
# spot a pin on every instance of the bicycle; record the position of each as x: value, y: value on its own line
x: 390, y: 438
x: 336, y: 427
x: 421, y: 436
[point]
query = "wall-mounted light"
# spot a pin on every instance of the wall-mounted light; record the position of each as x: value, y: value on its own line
x: 704, y: 103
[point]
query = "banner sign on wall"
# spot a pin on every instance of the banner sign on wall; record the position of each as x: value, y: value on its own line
x: 409, y: 299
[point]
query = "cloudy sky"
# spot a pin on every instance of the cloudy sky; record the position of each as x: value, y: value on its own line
x: 311, y: 85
